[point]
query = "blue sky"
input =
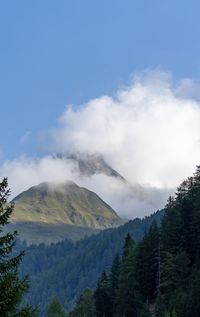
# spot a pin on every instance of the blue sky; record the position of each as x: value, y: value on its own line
x: 53, y: 53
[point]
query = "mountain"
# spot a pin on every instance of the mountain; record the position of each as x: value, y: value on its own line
x: 64, y: 203
x: 127, y: 198
x: 90, y: 164
x: 65, y: 269
x: 51, y: 212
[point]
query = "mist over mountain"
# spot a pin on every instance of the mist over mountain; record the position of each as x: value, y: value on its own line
x: 64, y: 203
x: 126, y: 198
x: 91, y: 164
x: 148, y: 132
x: 92, y: 171
x: 49, y: 208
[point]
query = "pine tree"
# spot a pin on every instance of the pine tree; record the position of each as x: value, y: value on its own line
x: 147, y: 264
x: 171, y: 233
x: 85, y: 306
x: 193, y: 295
x: 12, y: 288
x: 102, y: 297
x: 55, y: 309
x: 195, y: 223
x: 127, y: 299
x: 113, y: 282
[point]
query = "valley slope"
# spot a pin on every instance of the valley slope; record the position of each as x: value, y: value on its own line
x: 72, y: 267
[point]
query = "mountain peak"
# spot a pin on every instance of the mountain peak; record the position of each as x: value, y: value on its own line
x: 91, y: 164
x: 64, y: 203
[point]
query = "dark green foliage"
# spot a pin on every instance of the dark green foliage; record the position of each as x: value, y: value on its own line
x: 171, y: 227
x: 127, y: 295
x: 145, y: 312
x: 147, y: 264
x: 85, y: 306
x: 114, y: 282
x: 175, y: 273
x: 159, y: 308
x: 12, y: 287
x: 55, y: 309
x: 72, y: 267
x: 102, y: 297
x: 192, y: 302
x: 160, y: 276
x: 180, y: 251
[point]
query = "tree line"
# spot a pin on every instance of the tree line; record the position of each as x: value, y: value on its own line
x: 160, y: 275
x: 66, y: 268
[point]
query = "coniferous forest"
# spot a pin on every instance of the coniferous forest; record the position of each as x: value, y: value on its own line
x: 148, y: 267
x: 160, y: 275
x: 69, y: 268
x: 12, y: 287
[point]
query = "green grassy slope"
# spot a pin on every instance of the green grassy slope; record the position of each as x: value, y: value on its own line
x: 64, y: 204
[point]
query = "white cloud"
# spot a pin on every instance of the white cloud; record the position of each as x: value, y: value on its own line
x: 128, y: 201
x: 146, y: 132
x: 149, y: 132
x: 25, y: 172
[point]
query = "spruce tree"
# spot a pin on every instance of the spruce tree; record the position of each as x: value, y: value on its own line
x: 85, y: 306
x: 127, y: 299
x: 193, y: 301
x: 195, y: 223
x: 172, y: 230
x: 55, y: 309
x: 102, y: 297
x: 113, y: 282
x: 12, y: 287
x: 147, y: 264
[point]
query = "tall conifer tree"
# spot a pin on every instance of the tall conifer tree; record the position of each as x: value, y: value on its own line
x: 55, y: 309
x: 12, y: 287
x: 85, y: 306
x: 114, y: 282
x: 127, y: 294
x: 102, y: 297
x: 147, y: 264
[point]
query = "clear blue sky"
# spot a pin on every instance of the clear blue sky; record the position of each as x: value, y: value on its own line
x: 53, y: 53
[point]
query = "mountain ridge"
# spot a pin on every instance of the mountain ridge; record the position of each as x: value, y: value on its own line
x: 64, y: 203
x: 91, y: 164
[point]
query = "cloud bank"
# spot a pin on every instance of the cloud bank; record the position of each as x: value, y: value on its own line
x: 149, y: 132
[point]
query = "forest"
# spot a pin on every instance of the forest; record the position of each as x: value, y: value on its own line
x: 148, y: 267
x: 68, y: 268
x: 160, y: 275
